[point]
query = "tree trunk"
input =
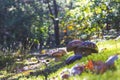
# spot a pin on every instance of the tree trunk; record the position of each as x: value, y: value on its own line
x: 56, y: 33
x: 55, y: 21
x: 56, y: 24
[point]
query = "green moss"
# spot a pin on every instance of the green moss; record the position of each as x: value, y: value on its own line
x: 111, y: 49
x: 54, y: 70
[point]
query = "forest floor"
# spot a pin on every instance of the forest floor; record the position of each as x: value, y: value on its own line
x: 46, y: 68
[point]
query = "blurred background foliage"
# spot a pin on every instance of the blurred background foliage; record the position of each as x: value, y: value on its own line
x: 38, y: 24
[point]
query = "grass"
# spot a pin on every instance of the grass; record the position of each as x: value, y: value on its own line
x: 111, y: 47
x: 106, y: 49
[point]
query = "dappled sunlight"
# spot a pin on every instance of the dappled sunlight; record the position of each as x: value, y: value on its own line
x: 111, y: 50
x: 59, y: 39
x: 110, y: 45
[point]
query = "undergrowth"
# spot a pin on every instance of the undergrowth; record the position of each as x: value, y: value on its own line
x: 106, y: 49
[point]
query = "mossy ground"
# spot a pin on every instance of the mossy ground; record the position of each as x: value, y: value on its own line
x: 106, y: 49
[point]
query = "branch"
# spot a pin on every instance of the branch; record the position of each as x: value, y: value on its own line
x: 52, y: 17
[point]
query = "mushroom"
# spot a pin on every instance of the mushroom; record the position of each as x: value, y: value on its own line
x: 96, y: 66
x: 72, y: 46
x: 110, y: 61
x: 65, y: 74
x: 86, y: 48
x: 73, y: 58
x: 77, y: 69
x: 58, y: 54
x: 100, y: 66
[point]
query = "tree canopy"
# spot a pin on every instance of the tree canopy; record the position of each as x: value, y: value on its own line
x: 48, y: 23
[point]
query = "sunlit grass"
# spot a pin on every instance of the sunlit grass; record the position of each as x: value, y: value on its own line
x: 33, y: 78
x: 106, y: 49
x: 111, y: 47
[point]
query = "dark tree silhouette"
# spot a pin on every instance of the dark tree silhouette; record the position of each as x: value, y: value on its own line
x: 54, y: 17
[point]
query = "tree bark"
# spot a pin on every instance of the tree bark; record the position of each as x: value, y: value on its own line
x: 55, y: 21
x: 56, y: 24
